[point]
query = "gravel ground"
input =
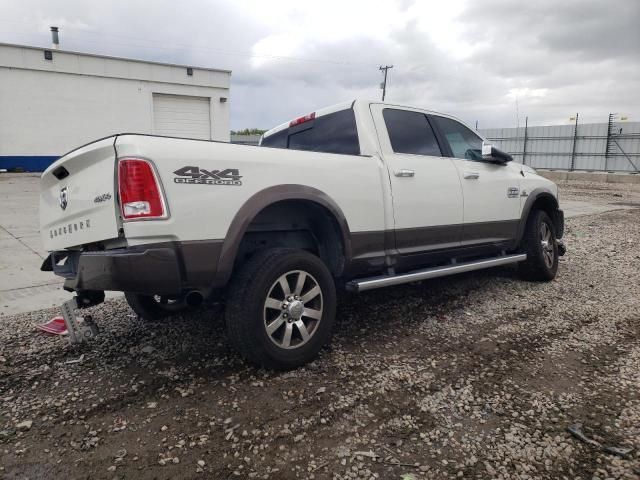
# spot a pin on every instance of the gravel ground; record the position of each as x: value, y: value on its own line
x: 474, y: 376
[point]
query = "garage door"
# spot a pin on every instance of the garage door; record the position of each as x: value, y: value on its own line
x: 181, y: 116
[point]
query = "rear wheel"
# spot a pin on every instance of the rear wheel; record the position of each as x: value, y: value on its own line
x: 155, y: 307
x: 540, y: 245
x: 281, y: 308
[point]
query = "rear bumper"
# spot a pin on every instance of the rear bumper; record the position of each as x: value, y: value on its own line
x: 152, y: 271
x: 157, y: 269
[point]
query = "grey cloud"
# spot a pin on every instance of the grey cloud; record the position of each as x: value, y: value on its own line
x: 593, y: 30
x: 578, y: 55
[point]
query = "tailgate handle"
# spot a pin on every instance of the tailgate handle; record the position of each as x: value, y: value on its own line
x: 60, y: 173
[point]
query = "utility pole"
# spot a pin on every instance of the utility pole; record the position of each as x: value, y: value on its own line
x: 384, y: 82
x: 524, y: 144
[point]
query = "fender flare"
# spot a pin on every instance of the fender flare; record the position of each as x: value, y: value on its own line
x: 534, y: 196
x: 258, y: 202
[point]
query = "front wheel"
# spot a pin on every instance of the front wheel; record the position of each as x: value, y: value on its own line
x: 281, y: 308
x: 540, y: 245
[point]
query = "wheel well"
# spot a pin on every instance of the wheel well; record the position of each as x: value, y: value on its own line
x: 546, y: 203
x: 301, y: 224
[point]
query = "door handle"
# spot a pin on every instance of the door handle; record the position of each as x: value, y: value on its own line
x: 471, y: 175
x: 404, y: 173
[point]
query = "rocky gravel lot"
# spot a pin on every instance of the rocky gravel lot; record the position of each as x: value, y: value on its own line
x: 474, y: 376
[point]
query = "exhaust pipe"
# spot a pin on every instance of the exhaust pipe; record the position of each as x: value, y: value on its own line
x: 194, y: 298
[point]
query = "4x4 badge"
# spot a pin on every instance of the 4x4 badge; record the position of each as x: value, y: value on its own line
x: 64, y: 198
x: 200, y: 176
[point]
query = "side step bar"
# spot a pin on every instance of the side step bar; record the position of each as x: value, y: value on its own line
x: 388, y: 280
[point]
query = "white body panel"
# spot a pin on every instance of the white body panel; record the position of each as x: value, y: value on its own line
x: 485, y: 189
x: 431, y: 195
x: 83, y: 220
x: 205, y: 212
x: 532, y: 181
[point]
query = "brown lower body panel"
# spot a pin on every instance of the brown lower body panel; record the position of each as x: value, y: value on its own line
x: 173, y: 267
x: 413, y: 247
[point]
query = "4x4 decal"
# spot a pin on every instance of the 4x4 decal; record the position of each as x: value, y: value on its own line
x: 200, y: 176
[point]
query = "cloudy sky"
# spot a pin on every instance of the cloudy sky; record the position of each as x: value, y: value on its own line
x: 491, y: 61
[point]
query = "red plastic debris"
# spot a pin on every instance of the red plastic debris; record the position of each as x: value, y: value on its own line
x: 55, y: 326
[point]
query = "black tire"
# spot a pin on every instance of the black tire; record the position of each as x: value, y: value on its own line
x: 539, y: 243
x: 248, y: 316
x: 149, y: 307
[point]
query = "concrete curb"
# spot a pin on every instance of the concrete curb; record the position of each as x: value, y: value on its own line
x: 601, y: 177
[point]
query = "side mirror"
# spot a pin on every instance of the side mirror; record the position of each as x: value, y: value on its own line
x: 494, y: 154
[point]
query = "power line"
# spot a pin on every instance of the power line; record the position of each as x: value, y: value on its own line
x: 203, y: 48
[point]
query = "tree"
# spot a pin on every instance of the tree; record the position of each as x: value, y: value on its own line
x: 248, y: 131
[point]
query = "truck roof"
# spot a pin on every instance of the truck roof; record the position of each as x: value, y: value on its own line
x: 350, y: 104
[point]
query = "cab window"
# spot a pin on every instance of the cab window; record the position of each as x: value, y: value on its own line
x: 276, y: 140
x: 463, y: 142
x: 332, y: 133
x: 410, y: 132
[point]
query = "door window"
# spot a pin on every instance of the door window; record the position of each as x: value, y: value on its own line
x: 462, y: 141
x: 410, y: 132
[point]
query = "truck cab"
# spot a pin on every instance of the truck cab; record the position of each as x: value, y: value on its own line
x: 446, y: 197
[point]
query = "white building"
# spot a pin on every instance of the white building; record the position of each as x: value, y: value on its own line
x: 52, y: 101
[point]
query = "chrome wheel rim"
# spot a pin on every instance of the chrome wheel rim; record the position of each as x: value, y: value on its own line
x: 293, y: 309
x: 546, y: 241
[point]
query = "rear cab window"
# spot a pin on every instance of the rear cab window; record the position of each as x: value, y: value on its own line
x: 331, y: 133
x: 410, y: 132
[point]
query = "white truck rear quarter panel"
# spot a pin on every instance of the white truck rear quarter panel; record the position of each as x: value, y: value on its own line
x: 205, y: 212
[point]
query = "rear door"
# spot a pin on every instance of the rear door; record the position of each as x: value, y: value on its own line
x: 427, y: 197
x: 78, y: 198
x: 491, y: 191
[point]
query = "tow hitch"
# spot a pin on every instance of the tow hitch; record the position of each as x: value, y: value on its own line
x: 81, y: 328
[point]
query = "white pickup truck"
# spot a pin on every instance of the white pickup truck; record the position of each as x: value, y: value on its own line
x: 359, y: 195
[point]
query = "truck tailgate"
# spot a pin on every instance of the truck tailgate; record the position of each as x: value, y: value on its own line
x: 78, y: 197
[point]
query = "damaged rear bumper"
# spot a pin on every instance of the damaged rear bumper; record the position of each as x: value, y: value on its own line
x: 139, y: 270
x: 167, y: 268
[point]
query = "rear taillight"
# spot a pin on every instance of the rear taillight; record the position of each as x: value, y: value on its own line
x: 140, y: 194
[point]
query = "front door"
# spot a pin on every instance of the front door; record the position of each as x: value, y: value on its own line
x: 491, y: 191
x: 426, y: 191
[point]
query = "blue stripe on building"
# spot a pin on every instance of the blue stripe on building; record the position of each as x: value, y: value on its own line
x: 27, y: 163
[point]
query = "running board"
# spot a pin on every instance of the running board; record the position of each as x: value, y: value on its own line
x: 389, y: 280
